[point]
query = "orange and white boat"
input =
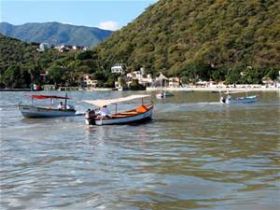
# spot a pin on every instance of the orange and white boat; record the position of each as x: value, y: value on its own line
x: 140, y: 114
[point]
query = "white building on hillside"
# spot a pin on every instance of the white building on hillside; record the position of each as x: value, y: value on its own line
x: 143, y: 79
x: 174, y: 82
x: 89, y: 81
x: 117, y: 69
x: 43, y: 46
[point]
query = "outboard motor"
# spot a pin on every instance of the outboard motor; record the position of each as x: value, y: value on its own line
x: 90, y: 117
x: 222, y: 100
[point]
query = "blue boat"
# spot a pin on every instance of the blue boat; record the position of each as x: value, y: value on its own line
x: 244, y: 100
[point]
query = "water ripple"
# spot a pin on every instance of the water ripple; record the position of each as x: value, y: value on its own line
x: 196, y: 153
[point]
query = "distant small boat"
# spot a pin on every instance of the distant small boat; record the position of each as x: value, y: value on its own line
x: 247, y: 99
x: 140, y: 114
x: 164, y: 95
x: 32, y: 111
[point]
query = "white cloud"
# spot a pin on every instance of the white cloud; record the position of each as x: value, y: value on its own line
x: 109, y: 25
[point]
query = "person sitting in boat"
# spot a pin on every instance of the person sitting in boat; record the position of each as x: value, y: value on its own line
x: 104, y: 112
x: 60, y: 105
x: 228, y: 97
x: 223, y: 99
x: 69, y: 107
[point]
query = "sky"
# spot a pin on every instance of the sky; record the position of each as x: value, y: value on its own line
x: 105, y: 14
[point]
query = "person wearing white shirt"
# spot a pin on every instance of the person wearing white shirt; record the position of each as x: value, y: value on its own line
x: 60, y: 106
x: 104, y: 112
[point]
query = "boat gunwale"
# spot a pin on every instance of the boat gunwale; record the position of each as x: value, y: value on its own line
x: 40, y: 108
x: 126, y: 114
x: 144, y: 116
x: 149, y: 107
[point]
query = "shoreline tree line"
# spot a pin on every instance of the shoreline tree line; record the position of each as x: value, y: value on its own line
x: 232, y: 41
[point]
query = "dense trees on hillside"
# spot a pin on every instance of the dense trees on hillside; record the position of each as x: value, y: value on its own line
x: 21, y: 64
x: 221, y: 40
x: 213, y: 39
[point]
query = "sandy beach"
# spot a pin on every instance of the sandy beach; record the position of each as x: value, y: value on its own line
x: 219, y: 88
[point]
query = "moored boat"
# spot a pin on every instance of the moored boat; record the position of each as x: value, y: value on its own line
x: 32, y: 111
x: 140, y: 114
x: 246, y: 99
x: 164, y: 95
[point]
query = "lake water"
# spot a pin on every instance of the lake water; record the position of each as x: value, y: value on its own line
x: 195, y: 154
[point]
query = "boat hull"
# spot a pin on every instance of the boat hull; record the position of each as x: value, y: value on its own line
x: 42, y: 112
x: 241, y: 100
x: 163, y: 95
x: 115, y: 120
x: 160, y: 96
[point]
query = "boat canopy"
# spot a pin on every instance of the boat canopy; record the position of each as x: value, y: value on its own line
x: 48, y: 97
x: 101, y: 103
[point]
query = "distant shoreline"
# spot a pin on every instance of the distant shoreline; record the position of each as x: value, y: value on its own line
x: 14, y: 89
x: 217, y: 88
x: 246, y: 88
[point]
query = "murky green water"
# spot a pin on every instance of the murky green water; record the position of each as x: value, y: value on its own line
x: 195, y: 154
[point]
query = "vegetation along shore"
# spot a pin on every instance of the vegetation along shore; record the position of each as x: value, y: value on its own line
x: 236, y: 42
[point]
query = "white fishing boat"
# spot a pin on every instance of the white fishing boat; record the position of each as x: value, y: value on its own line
x: 245, y: 100
x: 32, y: 111
x: 140, y: 114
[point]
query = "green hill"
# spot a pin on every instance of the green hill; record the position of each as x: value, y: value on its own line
x: 55, y: 33
x: 206, y: 39
x: 236, y: 41
x: 22, y: 64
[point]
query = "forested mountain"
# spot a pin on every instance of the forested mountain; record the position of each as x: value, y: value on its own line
x: 206, y: 39
x: 22, y: 64
x: 55, y: 33
x: 235, y: 41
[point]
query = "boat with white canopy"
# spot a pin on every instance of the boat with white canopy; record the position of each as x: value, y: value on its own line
x: 142, y: 113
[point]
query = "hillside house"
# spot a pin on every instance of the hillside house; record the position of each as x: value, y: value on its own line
x: 174, y: 82
x: 89, y: 81
x: 143, y: 79
x: 43, y: 47
x: 161, y: 81
x: 77, y: 47
x: 63, y: 48
x: 118, y: 69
